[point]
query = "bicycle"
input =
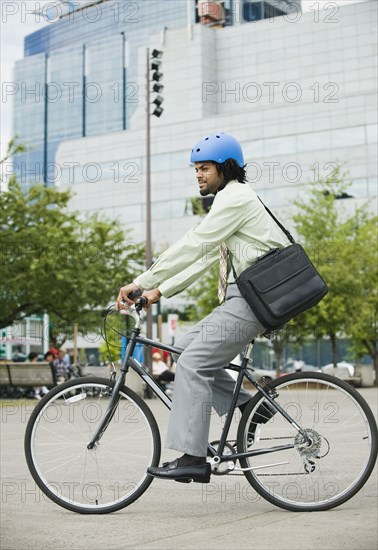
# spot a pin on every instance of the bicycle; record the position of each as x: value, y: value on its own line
x: 90, y: 440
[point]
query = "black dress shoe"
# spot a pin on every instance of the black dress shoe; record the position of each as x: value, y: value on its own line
x: 171, y: 470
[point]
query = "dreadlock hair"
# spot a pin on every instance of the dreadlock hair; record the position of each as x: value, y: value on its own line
x: 230, y: 170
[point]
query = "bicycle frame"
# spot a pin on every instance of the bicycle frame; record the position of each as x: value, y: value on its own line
x: 243, y: 371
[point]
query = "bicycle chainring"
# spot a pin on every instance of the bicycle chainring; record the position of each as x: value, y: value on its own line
x: 222, y: 468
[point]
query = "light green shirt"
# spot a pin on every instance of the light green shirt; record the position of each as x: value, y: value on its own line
x: 236, y: 218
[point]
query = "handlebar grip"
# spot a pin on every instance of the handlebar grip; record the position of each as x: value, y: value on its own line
x: 142, y: 302
x: 135, y: 294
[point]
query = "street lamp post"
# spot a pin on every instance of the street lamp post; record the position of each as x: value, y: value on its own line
x: 150, y: 65
x: 148, y: 359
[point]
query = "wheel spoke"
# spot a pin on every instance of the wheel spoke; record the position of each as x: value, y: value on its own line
x: 342, y: 451
x: 107, y: 477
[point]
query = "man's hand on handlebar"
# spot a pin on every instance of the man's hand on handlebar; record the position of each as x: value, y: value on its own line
x: 124, y: 301
x: 152, y: 296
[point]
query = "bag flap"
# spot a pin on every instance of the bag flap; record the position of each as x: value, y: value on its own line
x: 273, y: 269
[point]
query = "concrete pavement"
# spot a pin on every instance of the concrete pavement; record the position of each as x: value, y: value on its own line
x: 226, y: 513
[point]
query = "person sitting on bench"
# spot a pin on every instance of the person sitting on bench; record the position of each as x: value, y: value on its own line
x: 160, y: 370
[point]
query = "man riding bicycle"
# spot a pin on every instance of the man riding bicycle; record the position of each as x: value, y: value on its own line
x: 237, y: 220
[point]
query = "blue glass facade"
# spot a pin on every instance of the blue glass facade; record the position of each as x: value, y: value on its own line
x: 137, y: 19
x: 29, y: 117
x: 78, y: 77
x: 103, y: 92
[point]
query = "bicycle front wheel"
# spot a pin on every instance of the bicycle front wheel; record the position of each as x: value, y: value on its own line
x: 343, y: 443
x: 106, y: 478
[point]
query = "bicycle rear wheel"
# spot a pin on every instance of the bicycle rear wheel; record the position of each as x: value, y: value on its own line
x: 343, y: 449
x: 106, y: 478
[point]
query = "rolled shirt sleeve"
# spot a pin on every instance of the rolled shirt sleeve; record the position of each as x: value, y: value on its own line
x: 197, y: 250
x: 185, y: 278
x: 238, y: 218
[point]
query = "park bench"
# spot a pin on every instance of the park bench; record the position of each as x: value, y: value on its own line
x: 26, y: 374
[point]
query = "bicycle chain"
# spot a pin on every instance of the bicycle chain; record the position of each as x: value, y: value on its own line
x: 232, y: 473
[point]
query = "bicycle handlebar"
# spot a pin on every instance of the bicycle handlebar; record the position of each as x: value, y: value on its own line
x: 135, y: 294
x: 141, y: 302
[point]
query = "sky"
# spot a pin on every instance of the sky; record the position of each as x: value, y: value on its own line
x: 17, y: 21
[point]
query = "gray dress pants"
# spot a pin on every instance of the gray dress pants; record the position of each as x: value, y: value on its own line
x: 200, y: 381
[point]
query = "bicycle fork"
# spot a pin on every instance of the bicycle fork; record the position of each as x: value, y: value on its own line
x: 109, y: 413
x: 114, y: 399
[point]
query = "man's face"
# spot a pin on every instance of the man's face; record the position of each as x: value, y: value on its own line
x: 208, y: 178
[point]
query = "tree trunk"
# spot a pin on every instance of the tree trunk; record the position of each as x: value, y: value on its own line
x: 278, y: 346
x: 371, y: 348
x: 278, y: 362
x: 375, y: 367
x: 334, y: 349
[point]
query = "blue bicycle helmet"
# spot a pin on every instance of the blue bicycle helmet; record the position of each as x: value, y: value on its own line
x: 218, y: 148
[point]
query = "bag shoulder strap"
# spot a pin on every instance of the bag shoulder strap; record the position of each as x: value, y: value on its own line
x: 283, y: 228
x: 286, y: 231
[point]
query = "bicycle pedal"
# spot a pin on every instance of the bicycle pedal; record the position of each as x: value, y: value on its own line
x: 184, y: 480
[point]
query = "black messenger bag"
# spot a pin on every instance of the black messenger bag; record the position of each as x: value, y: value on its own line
x: 281, y: 284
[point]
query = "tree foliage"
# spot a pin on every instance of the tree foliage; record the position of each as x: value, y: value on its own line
x: 204, y: 295
x: 55, y: 261
x: 13, y: 148
x: 342, y: 245
x: 362, y: 326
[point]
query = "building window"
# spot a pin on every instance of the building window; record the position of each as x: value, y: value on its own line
x: 255, y: 10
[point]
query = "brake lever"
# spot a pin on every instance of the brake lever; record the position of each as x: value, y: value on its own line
x: 141, y: 302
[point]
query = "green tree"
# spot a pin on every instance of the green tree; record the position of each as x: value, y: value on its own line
x: 323, y: 236
x: 116, y: 327
x: 58, y: 262
x: 362, y: 326
x: 290, y: 333
x: 204, y: 295
x: 333, y: 239
x: 13, y: 148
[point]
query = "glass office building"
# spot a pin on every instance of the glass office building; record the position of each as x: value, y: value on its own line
x: 78, y: 75
x: 298, y: 90
x: 74, y: 76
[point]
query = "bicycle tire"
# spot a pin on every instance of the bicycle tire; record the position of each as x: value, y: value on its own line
x: 344, y: 437
x: 108, y: 477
